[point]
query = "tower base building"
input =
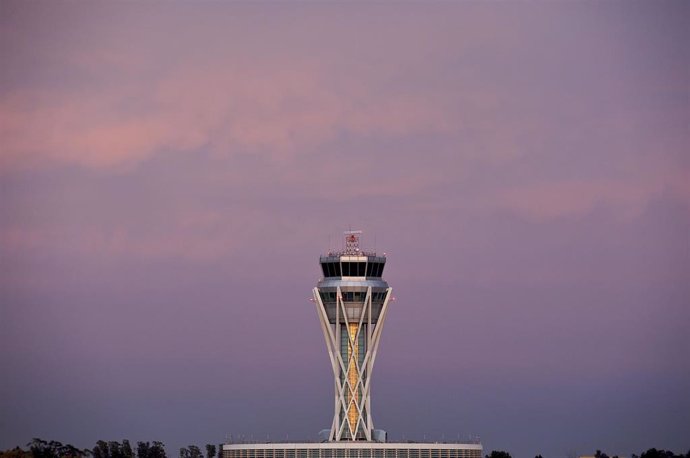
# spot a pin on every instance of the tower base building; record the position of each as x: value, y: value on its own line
x: 352, y: 301
x: 353, y: 449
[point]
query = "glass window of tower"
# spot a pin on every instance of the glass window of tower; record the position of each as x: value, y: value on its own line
x: 361, y: 268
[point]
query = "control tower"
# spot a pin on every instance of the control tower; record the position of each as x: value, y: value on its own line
x: 352, y: 301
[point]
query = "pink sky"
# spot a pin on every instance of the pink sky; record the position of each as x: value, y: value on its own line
x: 169, y: 174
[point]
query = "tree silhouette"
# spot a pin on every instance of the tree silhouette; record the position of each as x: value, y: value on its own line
x: 127, y: 449
x: 600, y: 454
x: 157, y: 450
x: 142, y: 450
x: 101, y: 450
x: 498, y: 454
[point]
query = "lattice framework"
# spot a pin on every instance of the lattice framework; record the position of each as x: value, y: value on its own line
x: 352, y: 388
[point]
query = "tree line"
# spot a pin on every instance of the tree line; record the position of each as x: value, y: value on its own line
x: 39, y: 448
x: 651, y: 453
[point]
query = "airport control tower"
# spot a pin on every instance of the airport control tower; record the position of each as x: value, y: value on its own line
x: 352, y: 300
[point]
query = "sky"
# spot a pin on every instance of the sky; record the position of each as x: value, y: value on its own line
x: 170, y: 173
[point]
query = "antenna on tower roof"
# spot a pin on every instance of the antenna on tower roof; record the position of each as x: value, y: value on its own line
x: 352, y: 242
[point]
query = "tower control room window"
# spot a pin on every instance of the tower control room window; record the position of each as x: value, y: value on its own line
x: 375, y: 269
x: 370, y: 266
x: 379, y: 270
x: 361, y: 269
x: 346, y: 269
x: 325, y: 270
x: 336, y: 269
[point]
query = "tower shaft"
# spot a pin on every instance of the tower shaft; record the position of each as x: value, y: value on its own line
x: 352, y: 335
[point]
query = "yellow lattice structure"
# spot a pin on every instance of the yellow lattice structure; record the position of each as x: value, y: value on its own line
x: 353, y: 376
